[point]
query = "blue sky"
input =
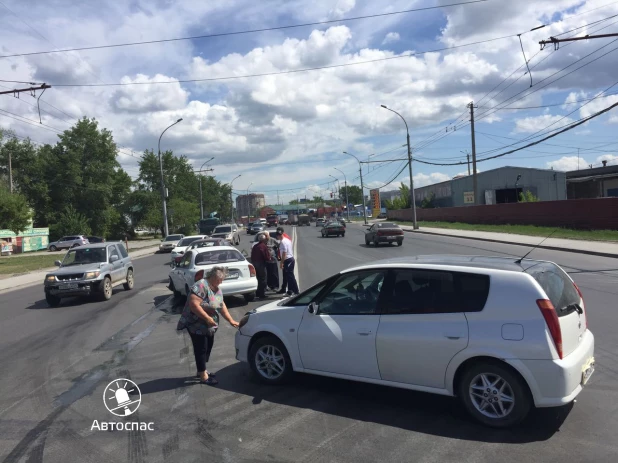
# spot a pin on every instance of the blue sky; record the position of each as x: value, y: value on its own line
x: 288, y: 131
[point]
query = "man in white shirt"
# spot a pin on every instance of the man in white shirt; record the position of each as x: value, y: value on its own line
x: 287, y: 263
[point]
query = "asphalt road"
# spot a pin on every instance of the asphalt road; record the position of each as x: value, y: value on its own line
x: 56, y: 364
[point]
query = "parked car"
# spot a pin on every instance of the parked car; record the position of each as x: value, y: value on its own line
x: 502, y: 335
x: 95, y: 239
x: 208, y: 243
x: 241, y: 279
x: 320, y: 222
x: 170, y: 242
x: 255, y: 228
x: 384, y: 232
x: 90, y: 270
x: 67, y: 242
x: 182, y: 245
x: 227, y: 232
x: 333, y: 229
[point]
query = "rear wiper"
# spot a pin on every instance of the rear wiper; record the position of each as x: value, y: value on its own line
x: 575, y: 307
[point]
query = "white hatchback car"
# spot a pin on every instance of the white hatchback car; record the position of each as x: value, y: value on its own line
x: 501, y: 334
x: 195, y: 263
x: 181, y: 247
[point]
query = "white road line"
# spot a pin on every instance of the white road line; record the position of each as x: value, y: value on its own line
x: 295, y: 245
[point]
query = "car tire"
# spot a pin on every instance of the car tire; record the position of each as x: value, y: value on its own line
x: 52, y: 301
x: 174, y: 290
x: 249, y: 297
x: 74, y: 245
x: 105, y: 289
x: 366, y: 242
x: 342, y: 235
x: 130, y: 281
x: 53, y: 248
x: 375, y: 243
x: 399, y: 243
x: 271, y: 348
x: 509, y: 384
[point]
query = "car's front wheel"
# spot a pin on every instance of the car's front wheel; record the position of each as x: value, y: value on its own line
x: 270, y: 361
x: 494, y: 395
x: 130, y: 281
x: 52, y: 301
x: 249, y: 297
x: 105, y: 289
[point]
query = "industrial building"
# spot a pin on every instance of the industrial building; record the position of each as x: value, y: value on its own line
x: 600, y: 182
x: 247, y: 205
x: 496, y: 186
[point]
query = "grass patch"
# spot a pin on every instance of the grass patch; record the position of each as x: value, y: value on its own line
x: 529, y: 230
x: 10, y: 265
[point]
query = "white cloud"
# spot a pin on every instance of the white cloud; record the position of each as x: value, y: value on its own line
x: 611, y: 159
x: 536, y: 123
x: 149, y: 97
x: 567, y: 163
x: 390, y: 38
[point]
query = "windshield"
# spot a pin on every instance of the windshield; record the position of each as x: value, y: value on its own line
x: 188, y: 241
x: 223, y: 229
x: 388, y: 225
x: 218, y: 257
x: 85, y: 256
x: 173, y: 238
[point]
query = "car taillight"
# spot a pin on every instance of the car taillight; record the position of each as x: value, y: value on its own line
x: 251, y: 271
x: 581, y: 296
x: 553, y: 324
x: 199, y: 275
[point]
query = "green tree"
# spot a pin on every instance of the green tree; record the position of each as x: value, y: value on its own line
x: 14, y: 211
x: 429, y: 202
x: 355, y: 195
x: 183, y: 216
x: 527, y: 197
x: 69, y: 222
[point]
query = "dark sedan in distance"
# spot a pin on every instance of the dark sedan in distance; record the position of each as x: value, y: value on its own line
x: 333, y: 228
x: 384, y: 232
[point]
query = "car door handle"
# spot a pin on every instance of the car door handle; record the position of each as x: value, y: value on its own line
x: 363, y: 332
x: 452, y: 336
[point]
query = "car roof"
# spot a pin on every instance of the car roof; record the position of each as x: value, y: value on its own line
x: 481, y: 262
x: 193, y: 236
x: 96, y: 245
x: 215, y: 248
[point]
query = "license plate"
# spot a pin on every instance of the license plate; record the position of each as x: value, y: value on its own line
x: 587, y: 370
x: 391, y: 238
x: 69, y: 286
x: 232, y: 276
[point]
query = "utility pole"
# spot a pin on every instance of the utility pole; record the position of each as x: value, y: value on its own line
x: 163, y: 189
x: 232, y: 198
x: 474, y: 179
x: 10, y: 174
x: 201, y: 196
x: 345, y: 183
x: 468, y: 158
x: 360, y: 172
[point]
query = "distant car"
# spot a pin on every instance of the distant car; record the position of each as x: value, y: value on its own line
x: 384, y: 232
x: 382, y: 215
x: 503, y: 335
x: 67, y: 242
x: 341, y: 221
x: 208, y: 243
x: 255, y: 228
x: 227, y: 232
x: 319, y: 222
x: 182, y: 245
x: 170, y: 242
x: 95, y: 239
x: 90, y: 270
x: 333, y: 229
x: 241, y: 279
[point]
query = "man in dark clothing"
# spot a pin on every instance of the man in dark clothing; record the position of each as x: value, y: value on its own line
x: 260, y: 255
x: 272, y: 271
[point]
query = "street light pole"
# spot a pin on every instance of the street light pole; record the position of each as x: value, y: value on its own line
x: 360, y: 171
x: 166, y: 229
x: 201, y: 197
x: 248, y: 203
x: 347, y: 203
x: 338, y: 191
x: 413, y: 198
x: 232, y: 197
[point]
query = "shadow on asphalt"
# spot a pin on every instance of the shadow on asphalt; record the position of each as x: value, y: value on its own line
x: 72, y: 301
x: 165, y: 384
x: 409, y: 410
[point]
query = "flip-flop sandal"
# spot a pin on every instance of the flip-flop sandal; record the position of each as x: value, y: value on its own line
x: 210, y: 381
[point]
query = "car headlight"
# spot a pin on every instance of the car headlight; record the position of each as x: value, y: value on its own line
x: 243, y: 321
x: 50, y: 278
x: 90, y: 275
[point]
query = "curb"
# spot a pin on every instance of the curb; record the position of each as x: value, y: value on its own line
x: 526, y: 245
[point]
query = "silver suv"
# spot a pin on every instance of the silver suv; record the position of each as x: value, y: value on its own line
x: 90, y: 270
x: 68, y: 242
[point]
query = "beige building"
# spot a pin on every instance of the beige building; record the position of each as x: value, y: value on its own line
x: 248, y: 205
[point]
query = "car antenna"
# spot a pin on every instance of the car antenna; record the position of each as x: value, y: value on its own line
x: 526, y: 255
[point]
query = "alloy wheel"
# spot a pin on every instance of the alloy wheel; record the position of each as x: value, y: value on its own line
x: 492, y: 395
x: 270, y: 362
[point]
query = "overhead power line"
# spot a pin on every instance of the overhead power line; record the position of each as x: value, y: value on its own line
x: 249, y: 31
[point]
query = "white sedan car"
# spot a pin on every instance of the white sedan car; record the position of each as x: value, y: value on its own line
x: 196, y: 263
x: 182, y: 246
x: 501, y: 334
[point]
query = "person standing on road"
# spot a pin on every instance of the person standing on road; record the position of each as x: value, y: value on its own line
x: 272, y: 271
x: 287, y: 263
x: 284, y: 279
x: 260, y: 256
x: 200, y: 317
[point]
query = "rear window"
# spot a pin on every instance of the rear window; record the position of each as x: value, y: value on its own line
x: 173, y: 238
x: 188, y: 241
x: 223, y: 229
x: 556, y: 284
x: 218, y: 257
x: 388, y: 225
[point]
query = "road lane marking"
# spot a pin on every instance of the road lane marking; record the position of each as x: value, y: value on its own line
x: 295, y: 246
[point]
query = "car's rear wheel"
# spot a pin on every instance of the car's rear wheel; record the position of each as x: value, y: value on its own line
x: 52, y: 301
x: 74, y: 245
x: 105, y: 289
x: 494, y: 394
x: 249, y: 297
x: 375, y: 243
x: 343, y: 234
x: 399, y: 243
x: 270, y: 361
x: 130, y: 281
x: 53, y: 248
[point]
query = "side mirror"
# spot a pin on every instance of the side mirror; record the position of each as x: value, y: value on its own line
x: 313, y: 308
x: 58, y: 263
x: 113, y: 258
